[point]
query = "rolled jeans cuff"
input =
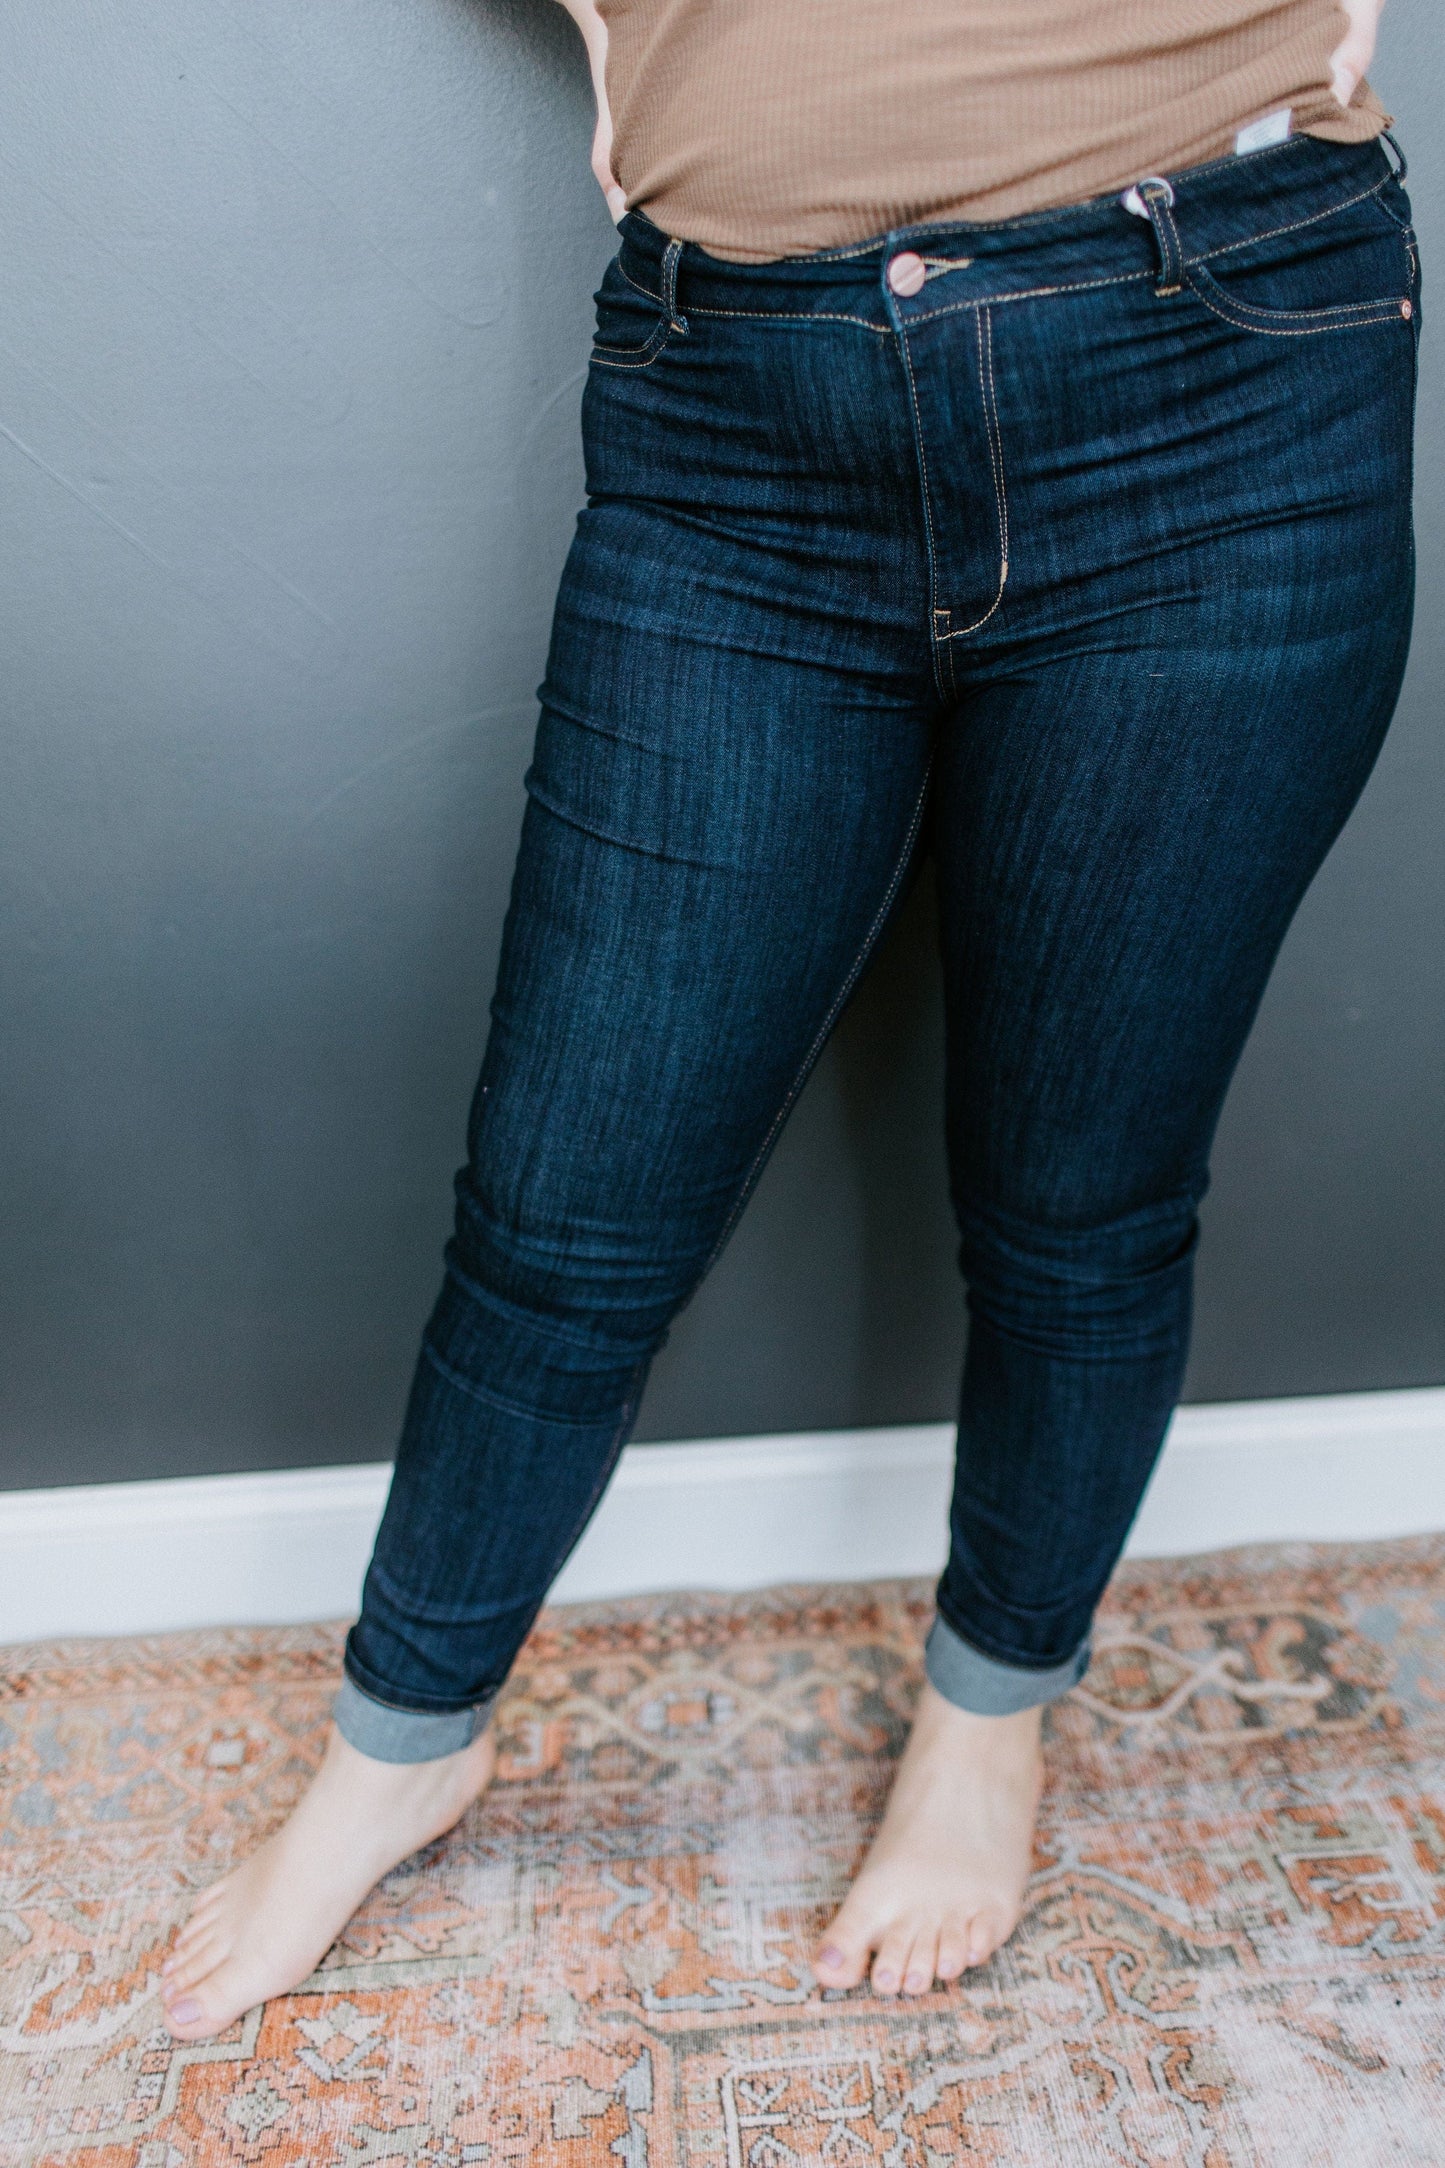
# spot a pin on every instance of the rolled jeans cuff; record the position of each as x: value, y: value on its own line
x: 404, y: 1735
x: 973, y: 1681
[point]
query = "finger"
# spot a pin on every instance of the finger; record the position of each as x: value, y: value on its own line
x: 1346, y: 68
x: 1356, y: 50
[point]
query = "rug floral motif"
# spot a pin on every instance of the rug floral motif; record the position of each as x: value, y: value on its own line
x: 1232, y: 1955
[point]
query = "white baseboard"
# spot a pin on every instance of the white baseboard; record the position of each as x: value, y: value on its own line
x: 726, y: 1513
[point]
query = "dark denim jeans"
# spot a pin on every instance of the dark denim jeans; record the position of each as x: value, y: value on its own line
x: 1090, y: 565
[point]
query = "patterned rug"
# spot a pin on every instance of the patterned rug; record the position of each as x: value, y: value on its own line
x: 1232, y: 1956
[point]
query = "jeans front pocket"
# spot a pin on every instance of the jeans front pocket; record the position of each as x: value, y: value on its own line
x: 1357, y: 265
x: 634, y: 324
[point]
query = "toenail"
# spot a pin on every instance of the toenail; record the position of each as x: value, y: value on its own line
x: 831, y: 1957
x: 187, y: 2010
x: 883, y: 1979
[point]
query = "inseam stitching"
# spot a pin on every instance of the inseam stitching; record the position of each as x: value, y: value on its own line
x: 614, y: 1450
x: 820, y: 1038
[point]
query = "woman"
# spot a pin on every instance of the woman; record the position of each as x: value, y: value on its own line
x: 998, y: 433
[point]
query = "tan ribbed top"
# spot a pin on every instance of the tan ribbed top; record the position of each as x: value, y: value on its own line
x: 766, y: 128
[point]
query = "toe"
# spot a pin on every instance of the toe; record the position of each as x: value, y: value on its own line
x: 892, y: 1957
x: 199, y: 1959
x: 190, y: 1934
x: 953, y: 1947
x: 199, y: 1923
x: 206, y: 1903
x: 187, y: 2018
x: 987, y: 1930
x: 922, y: 1962
x: 207, y: 2007
x: 841, y: 1959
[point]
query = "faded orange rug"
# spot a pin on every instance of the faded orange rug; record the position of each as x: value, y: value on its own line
x: 1232, y: 1957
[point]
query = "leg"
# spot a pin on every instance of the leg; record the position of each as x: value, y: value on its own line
x: 714, y: 837
x: 1090, y: 1046
x: 1131, y: 805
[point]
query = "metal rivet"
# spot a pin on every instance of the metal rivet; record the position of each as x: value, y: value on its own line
x: 1406, y: 310
x: 906, y: 274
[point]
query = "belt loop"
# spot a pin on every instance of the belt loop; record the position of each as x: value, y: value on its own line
x: 671, y: 256
x: 1154, y: 199
x: 1387, y: 136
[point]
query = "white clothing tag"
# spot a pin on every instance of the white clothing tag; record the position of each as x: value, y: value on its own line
x: 1259, y: 135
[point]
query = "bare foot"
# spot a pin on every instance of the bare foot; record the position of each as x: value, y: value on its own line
x: 942, y: 1885
x: 261, y: 1930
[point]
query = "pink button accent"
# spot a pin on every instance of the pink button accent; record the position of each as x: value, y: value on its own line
x: 906, y: 274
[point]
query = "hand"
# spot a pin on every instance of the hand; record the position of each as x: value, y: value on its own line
x: 594, y: 35
x: 1350, y: 60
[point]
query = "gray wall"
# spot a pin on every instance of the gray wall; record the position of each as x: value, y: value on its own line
x: 296, y: 311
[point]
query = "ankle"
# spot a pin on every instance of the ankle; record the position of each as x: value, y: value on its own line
x: 369, y: 1797
x: 1018, y: 1732
x: 949, y: 1745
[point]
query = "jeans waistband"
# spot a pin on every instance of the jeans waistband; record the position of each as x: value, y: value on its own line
x: 1223, y: 205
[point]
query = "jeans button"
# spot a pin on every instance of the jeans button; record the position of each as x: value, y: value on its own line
x: 906, y: 274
